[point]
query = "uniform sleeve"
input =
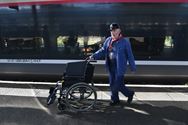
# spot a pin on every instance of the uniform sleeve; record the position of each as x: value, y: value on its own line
x: 101, y: 52
x: 130, y: 56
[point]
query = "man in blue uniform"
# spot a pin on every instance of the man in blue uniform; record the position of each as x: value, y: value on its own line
x: 117, y: 52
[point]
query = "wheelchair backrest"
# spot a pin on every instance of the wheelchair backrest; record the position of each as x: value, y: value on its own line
x: 76, y: 69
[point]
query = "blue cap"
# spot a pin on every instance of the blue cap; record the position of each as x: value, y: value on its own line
x: 114, y: 26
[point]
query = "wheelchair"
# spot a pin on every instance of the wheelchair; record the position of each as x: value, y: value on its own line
x: 76, y: 90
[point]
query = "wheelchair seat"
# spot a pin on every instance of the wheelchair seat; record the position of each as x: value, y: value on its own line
x: 75, y: 72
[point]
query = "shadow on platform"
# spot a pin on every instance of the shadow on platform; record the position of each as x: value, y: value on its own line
x: 134, y: 114
x: 123, y: 114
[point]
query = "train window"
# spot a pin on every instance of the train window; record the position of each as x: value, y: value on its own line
x: 79, y: 45
x: 169, y: 42
x: 61, y: 41
x: 20, y: 47
x: 151, y: 48
x: 90, y: 44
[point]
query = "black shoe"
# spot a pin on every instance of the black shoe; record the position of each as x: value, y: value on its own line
x: 113, y: 103
x: 130, y: 98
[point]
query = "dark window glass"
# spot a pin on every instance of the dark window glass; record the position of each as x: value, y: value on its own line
x: 157, y: 31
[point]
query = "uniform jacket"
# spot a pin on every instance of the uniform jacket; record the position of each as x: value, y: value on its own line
x: 123, y: 54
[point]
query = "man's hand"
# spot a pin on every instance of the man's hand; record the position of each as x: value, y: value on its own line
x: 89, y: 58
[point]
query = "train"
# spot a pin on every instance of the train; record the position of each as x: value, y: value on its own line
x: 38, y: 40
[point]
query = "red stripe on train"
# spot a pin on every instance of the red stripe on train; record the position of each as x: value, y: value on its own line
x: 87, y: 1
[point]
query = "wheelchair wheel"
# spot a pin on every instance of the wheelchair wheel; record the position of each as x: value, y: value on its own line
x: 61, y: 106
x: 81, y: 97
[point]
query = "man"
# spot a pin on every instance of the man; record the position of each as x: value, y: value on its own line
x: 117, y: 51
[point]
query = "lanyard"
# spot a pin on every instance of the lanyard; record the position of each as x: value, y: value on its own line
x: 114, y: 40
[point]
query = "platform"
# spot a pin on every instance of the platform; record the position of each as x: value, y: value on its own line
x: 152, y: 105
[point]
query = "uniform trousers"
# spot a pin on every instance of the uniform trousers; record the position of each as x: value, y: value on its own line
x: 117, y: 84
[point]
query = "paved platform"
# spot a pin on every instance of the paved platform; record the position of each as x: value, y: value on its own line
x: 152, y: 105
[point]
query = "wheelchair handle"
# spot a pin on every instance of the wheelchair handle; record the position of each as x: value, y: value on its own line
x: 92, y: 60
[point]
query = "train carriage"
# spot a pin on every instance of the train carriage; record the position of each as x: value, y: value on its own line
x: 38, y: 38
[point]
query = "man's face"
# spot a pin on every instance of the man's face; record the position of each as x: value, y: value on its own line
x: 115, y: 33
